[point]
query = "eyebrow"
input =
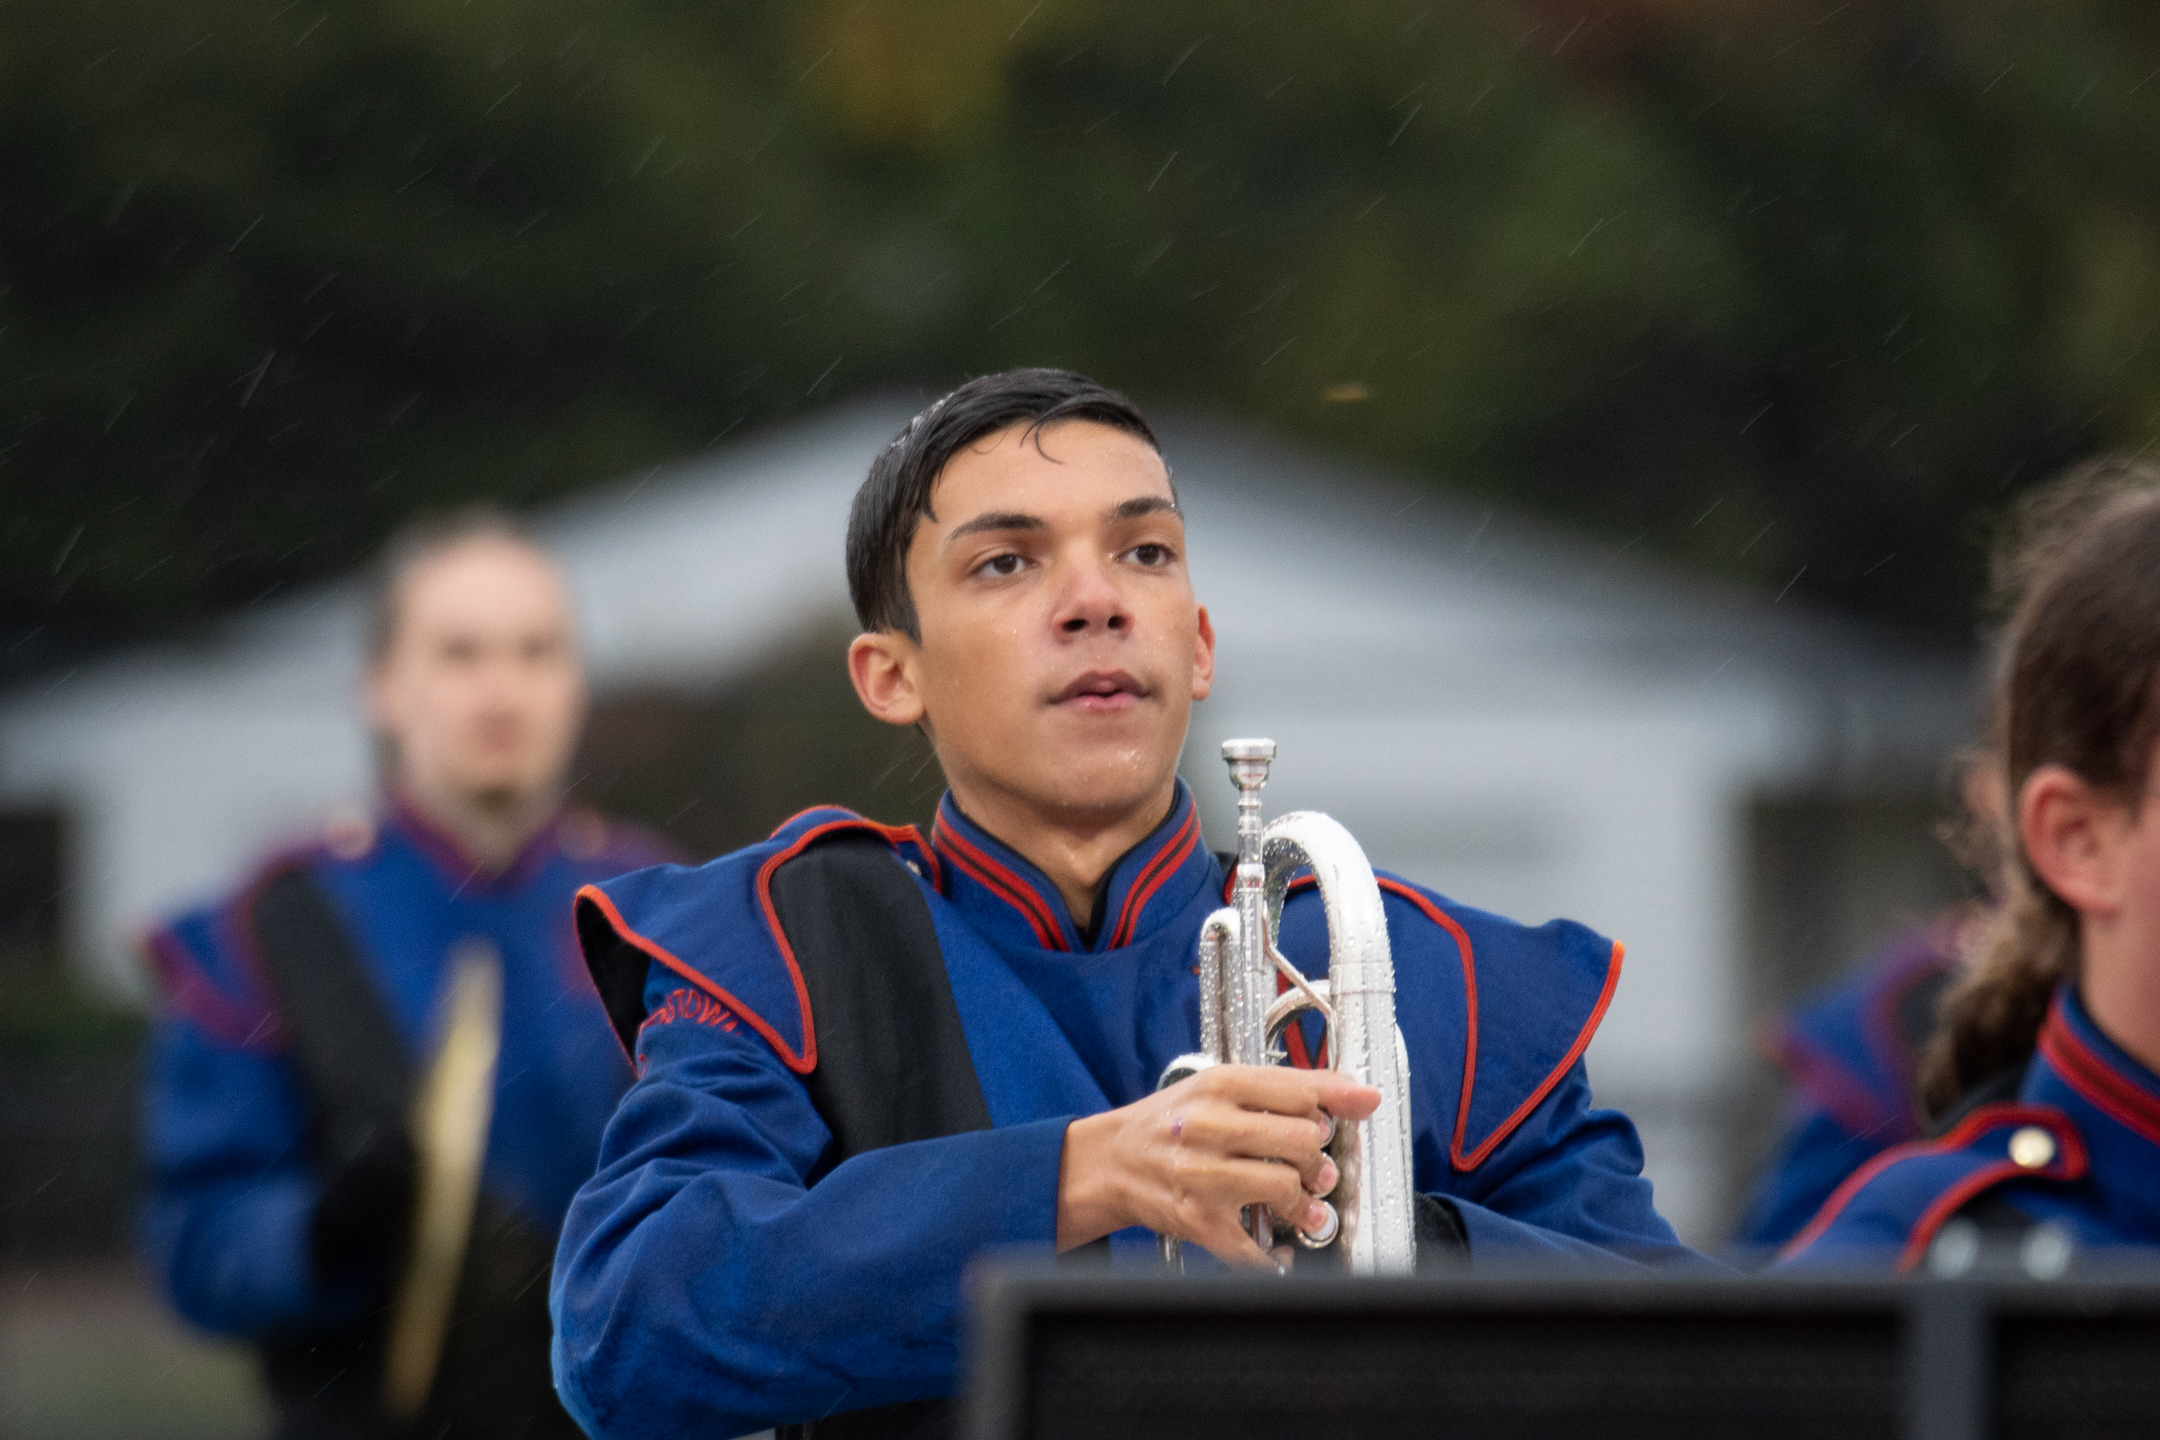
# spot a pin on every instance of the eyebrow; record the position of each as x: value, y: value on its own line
x: 1019, y: 520
x: 995, y: 520
x: 1145, y: 505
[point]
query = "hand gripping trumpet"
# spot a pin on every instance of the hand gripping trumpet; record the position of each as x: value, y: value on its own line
x: 1244, y: 1012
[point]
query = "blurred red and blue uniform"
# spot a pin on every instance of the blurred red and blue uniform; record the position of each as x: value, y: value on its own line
x: 226, y: 1123
x: 1850, y: 1054
x: 706, y: 1285
x: 2077, y: 1147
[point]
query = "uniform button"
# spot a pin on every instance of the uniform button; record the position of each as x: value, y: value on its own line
x: 2031, y: 1148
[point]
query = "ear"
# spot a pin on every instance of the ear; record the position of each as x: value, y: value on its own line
x: 1203, y: 665
x: 2074, y: 835
x: 881, y: 663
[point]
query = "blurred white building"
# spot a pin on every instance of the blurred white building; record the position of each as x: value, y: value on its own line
x: 1532, y: 724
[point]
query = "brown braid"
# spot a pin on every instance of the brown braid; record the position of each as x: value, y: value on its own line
x: 2077, y: 685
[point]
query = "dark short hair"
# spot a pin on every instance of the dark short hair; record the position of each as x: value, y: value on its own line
x: 421, y: 541
x: 895, y: 496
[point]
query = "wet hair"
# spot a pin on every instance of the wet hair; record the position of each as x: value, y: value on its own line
x: 422, y: 541
x: 2076, y: 684
x: 895, y: 497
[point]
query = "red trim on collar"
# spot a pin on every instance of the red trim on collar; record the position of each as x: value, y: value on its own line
x: 1151, y: 878
x: 456, y: 862
x: 2110, y: 1091
x: 801, y: 1064
x: 1000, y: 881
x: 2069, y: 1164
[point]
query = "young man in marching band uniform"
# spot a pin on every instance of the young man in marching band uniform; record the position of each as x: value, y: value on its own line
x: 867, y: 1056
x: 298, y: 1014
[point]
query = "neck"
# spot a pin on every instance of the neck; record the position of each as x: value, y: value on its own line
x: 492, y: 828
x: 2121, y: 988
x: 1075, y: 851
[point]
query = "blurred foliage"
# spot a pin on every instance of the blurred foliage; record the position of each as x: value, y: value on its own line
x: 1765, y: 286
x: 67, y: 1106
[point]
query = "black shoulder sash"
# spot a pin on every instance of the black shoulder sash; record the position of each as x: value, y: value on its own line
x: 892, y: 1060
x: 493, y: 1382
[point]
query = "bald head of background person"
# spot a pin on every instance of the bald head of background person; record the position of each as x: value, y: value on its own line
x: 474, y: 683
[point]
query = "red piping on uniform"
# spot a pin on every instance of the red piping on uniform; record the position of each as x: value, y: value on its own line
x: 1152, y: 878
x: 1002, y: 882
x: 1885, y: 1037
x: 894, y: 835
x: 1826, y: 1080
x: 1475, y: 1158
x: 801, y: 1064
x: 2111, y: 1092
x: 1456, y: 1158
x: 2069, y: 1163
x: 190, y: 992
x: 458, y: 864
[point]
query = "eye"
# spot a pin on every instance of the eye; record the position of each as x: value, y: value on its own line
x: 1151, y: 555
x: 1002, y: 566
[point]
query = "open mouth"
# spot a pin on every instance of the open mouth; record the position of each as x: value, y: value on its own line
x: 1101, y: 692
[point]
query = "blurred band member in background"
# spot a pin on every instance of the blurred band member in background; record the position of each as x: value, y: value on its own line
x: 2045, y: 1078
x: 298, y: 1015
x: 1851, y: 1052
x: 866, y: 1057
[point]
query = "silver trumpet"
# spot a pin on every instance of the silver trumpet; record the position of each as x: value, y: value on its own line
x: 1243, y: 1017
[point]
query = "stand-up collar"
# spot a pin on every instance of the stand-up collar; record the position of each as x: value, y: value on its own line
x: 2115, y: 1102
x: 2098, y: 1070
x: 458, y: 867
x: 1006, y: 895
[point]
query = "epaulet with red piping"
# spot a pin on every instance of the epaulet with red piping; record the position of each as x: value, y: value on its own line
x: 205, y: 961
x: 1897, y: 1202
x: 1845, y: 1049
x: 713, y: 927
x: 1531, y: 998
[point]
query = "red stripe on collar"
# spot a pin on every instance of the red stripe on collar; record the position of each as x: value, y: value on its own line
x: 1151, y: 879
x: 2110, y: 1091
x: 999, y: 880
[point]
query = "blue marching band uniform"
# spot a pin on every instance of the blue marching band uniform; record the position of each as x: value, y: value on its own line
x: 804, y: 1283
x: 231, y: 1132
x: 1850, y: 1055
x: 2076, y: 1145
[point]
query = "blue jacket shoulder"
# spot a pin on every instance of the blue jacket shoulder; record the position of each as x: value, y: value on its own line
x: 1897, y: 1202
x: 1527, y: 1000
x: 714, y: 927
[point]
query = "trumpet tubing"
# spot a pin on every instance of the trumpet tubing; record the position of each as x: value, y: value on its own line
x: 1250, y: 994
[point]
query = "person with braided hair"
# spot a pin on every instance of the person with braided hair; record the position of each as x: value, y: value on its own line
x: 2043, y: 1081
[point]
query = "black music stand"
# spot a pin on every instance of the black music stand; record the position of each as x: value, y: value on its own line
x: 1059, y: 1356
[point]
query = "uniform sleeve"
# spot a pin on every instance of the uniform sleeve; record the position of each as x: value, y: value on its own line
x: 225, y: 1223
x: 703, y: 1286
x: 1566, y: 1185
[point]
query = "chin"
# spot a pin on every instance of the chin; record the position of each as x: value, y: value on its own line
x: 1110, y: 785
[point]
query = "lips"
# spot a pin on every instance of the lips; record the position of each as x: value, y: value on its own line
x: 1101, y: 691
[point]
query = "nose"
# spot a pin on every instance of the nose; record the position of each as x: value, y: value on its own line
x: 1090, y: 602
